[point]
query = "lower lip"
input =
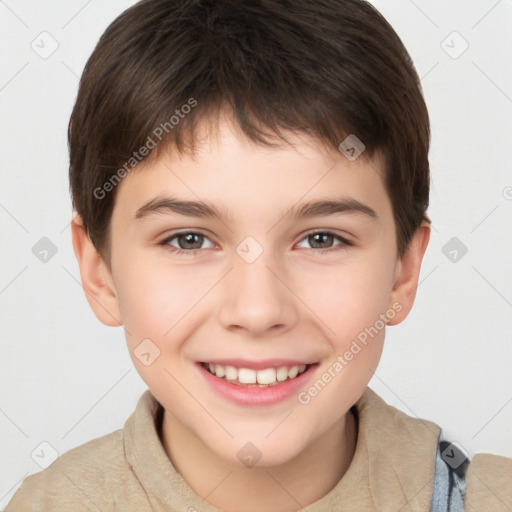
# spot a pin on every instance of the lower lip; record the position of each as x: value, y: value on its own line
x: 254, y: 395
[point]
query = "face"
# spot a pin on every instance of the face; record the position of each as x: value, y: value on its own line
x: 298, y: 273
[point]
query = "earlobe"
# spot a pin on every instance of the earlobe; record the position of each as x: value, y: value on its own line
x: 96, y: 279
x: 407, y: 275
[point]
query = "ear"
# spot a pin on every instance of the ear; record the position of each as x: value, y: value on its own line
x: 96, y: 277
x: 407, y: 274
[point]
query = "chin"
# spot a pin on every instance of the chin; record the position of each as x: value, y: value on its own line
x: 260, y: 452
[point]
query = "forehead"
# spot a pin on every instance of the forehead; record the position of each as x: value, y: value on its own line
x: 229, y: 176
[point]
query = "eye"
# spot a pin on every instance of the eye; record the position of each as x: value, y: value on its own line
x: 324, y: 239
x: 188, y: 242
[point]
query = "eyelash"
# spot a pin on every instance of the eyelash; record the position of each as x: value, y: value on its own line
x: 193, y: 252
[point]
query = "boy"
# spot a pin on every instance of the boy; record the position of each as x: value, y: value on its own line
x: 257, y: 132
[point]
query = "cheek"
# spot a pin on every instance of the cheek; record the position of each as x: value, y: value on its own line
x: 347, y: 298
x: 156, y: 298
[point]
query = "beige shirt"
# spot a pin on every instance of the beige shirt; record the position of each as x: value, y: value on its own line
x: 129, y: 470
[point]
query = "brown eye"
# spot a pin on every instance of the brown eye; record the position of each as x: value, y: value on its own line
x: 186, y: 242
x: 320, y: 240
x: 325, y: 240
x: 190, y: 241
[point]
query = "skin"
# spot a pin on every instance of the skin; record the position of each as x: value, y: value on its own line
x: 294, y: 301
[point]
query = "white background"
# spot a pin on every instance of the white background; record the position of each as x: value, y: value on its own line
x: 65, y: 378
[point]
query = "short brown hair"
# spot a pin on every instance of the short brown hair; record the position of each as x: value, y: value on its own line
x: 327, y: 68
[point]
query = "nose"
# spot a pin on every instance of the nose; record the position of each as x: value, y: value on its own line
x: 258, y: 297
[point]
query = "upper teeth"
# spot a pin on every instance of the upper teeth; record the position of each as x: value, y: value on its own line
x: 248, y: 376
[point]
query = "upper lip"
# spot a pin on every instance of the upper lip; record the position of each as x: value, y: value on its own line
x: 257, y: 365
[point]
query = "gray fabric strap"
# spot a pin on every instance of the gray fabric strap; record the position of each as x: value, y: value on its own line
x: 450, y: 477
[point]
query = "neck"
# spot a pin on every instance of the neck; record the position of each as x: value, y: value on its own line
x: 284, y: 488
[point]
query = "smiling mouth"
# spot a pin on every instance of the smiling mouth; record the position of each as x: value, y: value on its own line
x: 266, y: 377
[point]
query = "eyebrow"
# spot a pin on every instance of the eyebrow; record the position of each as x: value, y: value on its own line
x: 162, y: 205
